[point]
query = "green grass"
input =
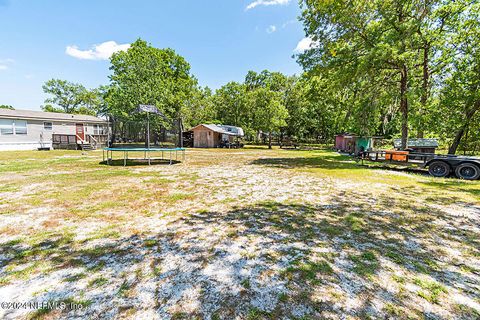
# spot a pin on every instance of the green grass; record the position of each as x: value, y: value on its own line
x: 255, y: 314
x: 97, y: 266
x: 283, y: 297
x: 9, y: 188
x: 466, y: 312
x: 246, y: 284
x: 396, y: 257
x: 399, y: 279
x: 178, y: 196
x: 392, y: 310
x: 307, y: 271
x: 76, y: 277
x: 365, y: 264
x: 124, y: 288
x: 24, y: 271
x: 97, y: 282
x: 356, y: 222
x: 106, y: 232
x: 430, y: 290
x: 149, y: 243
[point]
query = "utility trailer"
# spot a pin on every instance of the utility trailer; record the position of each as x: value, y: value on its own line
x: 467, y: 168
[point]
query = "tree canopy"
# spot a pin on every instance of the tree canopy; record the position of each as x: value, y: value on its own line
x: 382, y: 67
x: 396, y: 63
x: 147, y: 75
x: 68, y: 97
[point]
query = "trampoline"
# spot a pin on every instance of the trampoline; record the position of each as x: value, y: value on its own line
x: 172, y: 154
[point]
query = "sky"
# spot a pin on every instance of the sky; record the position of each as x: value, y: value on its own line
x: 72, y: 40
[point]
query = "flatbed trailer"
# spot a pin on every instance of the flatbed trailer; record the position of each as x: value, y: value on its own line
x: 467, y: 168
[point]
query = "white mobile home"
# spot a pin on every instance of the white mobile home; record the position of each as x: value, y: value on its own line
x: 32, y: 130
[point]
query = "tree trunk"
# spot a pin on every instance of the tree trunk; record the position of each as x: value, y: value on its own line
x: 269, y: 140
x: 458, y: 137
x: 122, y: 131
x: 348, y: 113
x: 180, y: 132
x: 456, y: 141
x: 164, y: 134
x: 111, y: 130
x: 465, y: 145
x: 425, y: 91
x: 146, y: 138
x: 404, y: 105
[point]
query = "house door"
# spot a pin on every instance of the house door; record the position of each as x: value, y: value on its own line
x: 203, y: 139
x: 80, y: 131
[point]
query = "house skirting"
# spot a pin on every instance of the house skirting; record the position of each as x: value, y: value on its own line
x: 27, y: 145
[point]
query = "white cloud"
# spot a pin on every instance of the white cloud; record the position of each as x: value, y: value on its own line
x: 257, y: 3
x: 101, y: 51
x: 286, y: 24
x: 305, y: 44
x: 271, y: 29
x: 4, y: 63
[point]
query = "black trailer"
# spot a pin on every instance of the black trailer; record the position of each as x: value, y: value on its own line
x: 467, y: 168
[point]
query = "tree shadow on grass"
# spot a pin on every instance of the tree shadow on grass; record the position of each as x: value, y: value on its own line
x: 268, y: 260
x: 335, y: 162
x: 324, y: 162
x: 331, y: 163
x: 412, y: 170
x: 457, y: 185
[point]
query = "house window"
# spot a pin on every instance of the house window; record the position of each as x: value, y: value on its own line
x: 48, y: 126
x: 6, y: 127
x: 98, y: 129
x: 9, y: 127
x: 20, y: 127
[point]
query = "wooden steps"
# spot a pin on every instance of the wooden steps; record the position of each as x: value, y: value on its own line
x: 87, y: 147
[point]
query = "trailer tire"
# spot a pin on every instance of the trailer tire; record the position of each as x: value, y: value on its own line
x: 439, y: 169
x: 468, y: 171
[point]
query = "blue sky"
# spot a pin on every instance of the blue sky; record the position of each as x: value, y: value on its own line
x: 222, y: 39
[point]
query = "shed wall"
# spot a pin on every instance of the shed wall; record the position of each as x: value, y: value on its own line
x: 339, y: 143
x: 205, y: 138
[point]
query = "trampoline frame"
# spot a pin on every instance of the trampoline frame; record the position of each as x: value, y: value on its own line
x: 146, y: 154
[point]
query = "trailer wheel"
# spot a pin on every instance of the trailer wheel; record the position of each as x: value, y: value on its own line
x: 467, y: 171
x: 439, y: 169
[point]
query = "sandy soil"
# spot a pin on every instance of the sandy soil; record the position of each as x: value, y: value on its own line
x: 247, y: 234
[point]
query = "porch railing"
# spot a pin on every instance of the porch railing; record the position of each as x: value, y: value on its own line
x: 64, y: 138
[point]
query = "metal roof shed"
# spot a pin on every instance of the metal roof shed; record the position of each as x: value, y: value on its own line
x: 422, y: 145
x: 211, y: 135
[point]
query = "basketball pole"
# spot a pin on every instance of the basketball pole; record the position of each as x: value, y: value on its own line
x: 148, y: 131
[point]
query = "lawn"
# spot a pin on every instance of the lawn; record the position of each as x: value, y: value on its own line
x: 236, y: 234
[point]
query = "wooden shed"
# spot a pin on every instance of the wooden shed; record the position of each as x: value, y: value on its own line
x: 213, y: 136
x: 351, y: 143
x: 345, y: 142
